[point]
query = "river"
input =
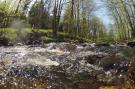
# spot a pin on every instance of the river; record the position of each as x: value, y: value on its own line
x: 63, y: 66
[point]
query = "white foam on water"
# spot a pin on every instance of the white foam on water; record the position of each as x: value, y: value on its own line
x: 43, y: 62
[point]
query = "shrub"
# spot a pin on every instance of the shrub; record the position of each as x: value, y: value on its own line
x: 34, y: 37
x: 3, y: 39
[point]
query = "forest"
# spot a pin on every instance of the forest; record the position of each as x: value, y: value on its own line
x: 67, y: 44
x: 65, y: 20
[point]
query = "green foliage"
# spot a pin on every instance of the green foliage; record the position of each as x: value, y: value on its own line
x: 3, y: 38
x: 7, y: 15
x: 4, y: 12
x: 38, y: 16
x: 122, y: 13
x: 76, y: 21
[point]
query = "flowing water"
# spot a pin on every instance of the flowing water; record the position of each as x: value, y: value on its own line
x: 62, y: 66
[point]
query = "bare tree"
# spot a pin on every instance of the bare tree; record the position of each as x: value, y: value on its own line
x: 57, y: 11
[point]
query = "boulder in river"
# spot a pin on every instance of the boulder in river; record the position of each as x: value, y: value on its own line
x: 113, y: 62
x: 85, y: 44
x: 90, y: 57
x: 102, y: 44
x: 67, y: 46
x: 131, y: 44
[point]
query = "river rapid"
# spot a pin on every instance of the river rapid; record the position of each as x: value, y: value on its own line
x: 64, y: 66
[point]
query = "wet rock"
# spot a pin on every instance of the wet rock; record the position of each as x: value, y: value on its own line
x: 90, y: 83
x: 54, y: 77
x: 102, y: 44
x: 85, y: 44
x: 19, y: 44
x: 89, y: 48
x: 104, y: 49
x: 127, y: 52
x: 131, y: 44
x: 121, y: 44
x: 132, y: 69
x: 67, y: 46
x: 21, y: 83
x: 10, y: 44
x: 70, y: 47
x: 115, y: 80
x: 29, y: 71
x: 90, y: 57
x: 113, y: 62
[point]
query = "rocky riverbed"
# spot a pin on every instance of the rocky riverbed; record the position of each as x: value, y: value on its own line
x: 67, y: 66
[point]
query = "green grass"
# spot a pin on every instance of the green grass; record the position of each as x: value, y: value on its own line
x: 11, y: 33
x: 47, y: 35
x: 45, y: 30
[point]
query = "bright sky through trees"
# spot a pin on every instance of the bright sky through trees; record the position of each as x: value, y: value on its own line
x: 102, y: 13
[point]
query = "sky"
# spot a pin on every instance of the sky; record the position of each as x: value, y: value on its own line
x: 102, y: 13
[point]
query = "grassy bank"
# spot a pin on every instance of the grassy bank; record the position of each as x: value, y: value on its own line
x: 44, y: 35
